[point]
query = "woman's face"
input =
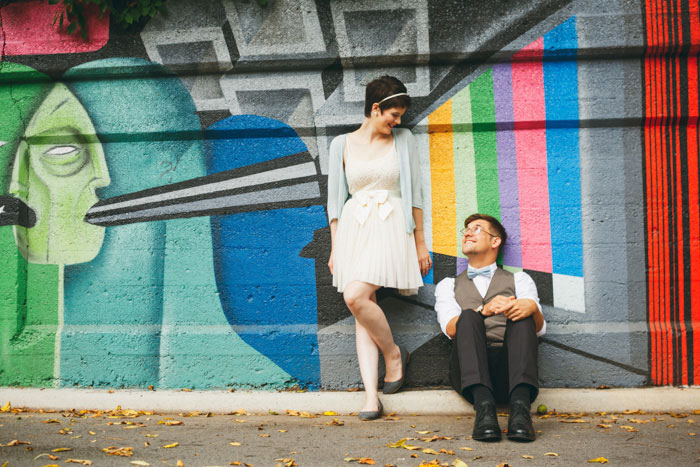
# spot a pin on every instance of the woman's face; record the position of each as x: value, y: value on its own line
x: 385, y: 121
x: 58, y: 165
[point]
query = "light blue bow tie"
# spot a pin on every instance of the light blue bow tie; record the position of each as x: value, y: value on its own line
x: 473, y: 272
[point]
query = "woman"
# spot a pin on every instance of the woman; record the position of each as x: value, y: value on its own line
x: 377, y: 235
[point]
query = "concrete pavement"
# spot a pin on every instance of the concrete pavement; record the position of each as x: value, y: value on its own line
x: 126, y: 438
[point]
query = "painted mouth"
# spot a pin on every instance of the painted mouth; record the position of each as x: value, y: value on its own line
x: 14, y: 211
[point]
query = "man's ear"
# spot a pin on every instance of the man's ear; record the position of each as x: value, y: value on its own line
x: 496, y: 243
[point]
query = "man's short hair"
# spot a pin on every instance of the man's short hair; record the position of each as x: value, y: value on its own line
x: 495, y: 225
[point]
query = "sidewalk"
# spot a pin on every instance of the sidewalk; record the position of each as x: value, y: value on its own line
x: 422, y: 402
x: 127, y: 437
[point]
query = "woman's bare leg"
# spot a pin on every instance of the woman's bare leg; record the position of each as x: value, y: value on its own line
x: 373, y: 332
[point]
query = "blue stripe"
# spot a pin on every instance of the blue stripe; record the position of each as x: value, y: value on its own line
x: 563, y: 157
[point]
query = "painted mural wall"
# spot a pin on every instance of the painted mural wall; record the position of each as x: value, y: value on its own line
x: 162, y: 190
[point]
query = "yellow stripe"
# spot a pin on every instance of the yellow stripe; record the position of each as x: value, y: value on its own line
x: 442, y: 179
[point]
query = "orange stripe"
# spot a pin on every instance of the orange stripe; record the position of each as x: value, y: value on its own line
x: 442, y: 179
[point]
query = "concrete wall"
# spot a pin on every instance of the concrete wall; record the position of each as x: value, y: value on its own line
x: 163, y: 190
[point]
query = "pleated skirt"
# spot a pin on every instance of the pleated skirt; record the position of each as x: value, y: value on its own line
x: 378, y: 251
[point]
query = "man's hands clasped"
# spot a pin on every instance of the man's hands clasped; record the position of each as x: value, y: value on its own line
x: 510, y: 307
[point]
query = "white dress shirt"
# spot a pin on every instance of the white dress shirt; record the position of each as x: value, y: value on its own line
x: 446, y: 305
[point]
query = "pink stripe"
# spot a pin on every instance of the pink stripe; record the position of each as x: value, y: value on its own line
x: 531, y: 148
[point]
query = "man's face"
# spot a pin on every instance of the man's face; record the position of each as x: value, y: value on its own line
x: 479, y: 239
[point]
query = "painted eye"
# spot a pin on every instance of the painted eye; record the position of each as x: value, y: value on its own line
x: 61, y: 150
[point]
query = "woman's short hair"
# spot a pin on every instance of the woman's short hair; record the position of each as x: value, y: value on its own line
x: 382, y: 87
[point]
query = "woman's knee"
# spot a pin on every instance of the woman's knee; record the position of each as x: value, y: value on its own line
x: 354, y: 296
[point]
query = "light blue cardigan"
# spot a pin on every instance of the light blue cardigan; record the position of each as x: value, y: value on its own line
x: 409, y: 177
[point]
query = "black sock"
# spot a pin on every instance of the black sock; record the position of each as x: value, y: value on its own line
x: 521, y: 393
x: 482, y: 394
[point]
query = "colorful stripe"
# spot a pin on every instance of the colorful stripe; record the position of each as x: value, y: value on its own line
x: 560, y: 79
x: 671, y: 176
x: 465, y: 170
x: 531, y: 146
x: 515, y: 149
x: 485, y: 153
x: 507, y: 163
x: 441, y: 170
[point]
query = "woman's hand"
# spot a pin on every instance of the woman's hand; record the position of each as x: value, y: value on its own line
x: 424, y: 261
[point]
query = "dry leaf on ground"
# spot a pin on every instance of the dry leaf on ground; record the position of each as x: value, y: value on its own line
x: 430, y: 451
x: 235, y: 443
x: 125, y: 451
x: 526, y: 456
x: 61, y: 449
x: 180, y: 463
x: 599, y: 460
x: 171, y: 445
x: 286, y: 462
x: 552, y: 454
x: 360, y: 460
x: 398, y: 444
x: 16, y: 442
x: 335, y: 422
x: 330, y: 413
x: 466, y: 448
x: 459, y: 463
x: 79, y: 461
x: 140, y: 463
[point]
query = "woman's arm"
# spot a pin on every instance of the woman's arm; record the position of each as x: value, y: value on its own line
x: 424, y: 261
x: 334, y: 227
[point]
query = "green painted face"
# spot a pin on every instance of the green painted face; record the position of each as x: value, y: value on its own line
x: 58, y: 165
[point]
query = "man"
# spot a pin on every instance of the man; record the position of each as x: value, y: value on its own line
x: 494, y: 317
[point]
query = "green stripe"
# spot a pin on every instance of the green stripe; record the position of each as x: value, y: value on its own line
x: 28, y: 317
x: 485, y: 146
x: 465, y: 173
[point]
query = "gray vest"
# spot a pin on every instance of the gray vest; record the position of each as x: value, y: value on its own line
x: 468, y: 297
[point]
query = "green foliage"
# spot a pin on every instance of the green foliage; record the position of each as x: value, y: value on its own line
x: 125, y: 13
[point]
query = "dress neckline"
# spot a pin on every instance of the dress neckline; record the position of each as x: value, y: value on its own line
x: 388, y: 153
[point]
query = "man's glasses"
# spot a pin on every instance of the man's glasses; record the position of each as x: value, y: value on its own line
x: 476, y: 230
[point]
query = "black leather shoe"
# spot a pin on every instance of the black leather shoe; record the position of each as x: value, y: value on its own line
x: 486, y: 424
x: 520, y: 423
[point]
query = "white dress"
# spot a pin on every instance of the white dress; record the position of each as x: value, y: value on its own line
x: 371, y: 242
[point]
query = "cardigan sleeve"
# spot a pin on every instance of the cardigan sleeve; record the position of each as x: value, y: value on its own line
x: 416, y: 181
x: 335, y: 173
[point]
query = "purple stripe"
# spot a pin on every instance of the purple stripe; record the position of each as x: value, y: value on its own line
x: 507, y: 163
x: 461, y: 265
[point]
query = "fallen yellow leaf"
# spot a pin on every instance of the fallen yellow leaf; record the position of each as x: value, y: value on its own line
x: 578, y: 420
x: 264, y: 435
x: 61, y: 449
x: 171, y: 445
x: 141, y: 463
x: 53, y: 420
x: 16, y: 442
x: 459, y: 463
x: 148, y: 435
x: 78, y: 461
x: 445, y: 451
x: 330, y: 413
x: 126, y: 451
x: 235, y: 443
x: 398, y: 444
x: 411, y: 448
x: 636, y: 420
x: 423, y: 432
x: 430, y: 451
x: 6, y: 408
x: 553, y: 454
x: 466, y: 449
x: 47, y: 465
x: 599, y: 460
x: 525, y: 456
x: 92, y: 432
x: 180, y: 463
x: 239, y: 412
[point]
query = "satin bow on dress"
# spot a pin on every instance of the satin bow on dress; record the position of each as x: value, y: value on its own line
x: 365, y: 200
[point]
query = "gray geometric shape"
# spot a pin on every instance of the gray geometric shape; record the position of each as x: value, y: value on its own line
x: 383, y: 37
x: 292, y: 97
x: 283, y: 27
x: 202, y: 85
x: 279, y: 105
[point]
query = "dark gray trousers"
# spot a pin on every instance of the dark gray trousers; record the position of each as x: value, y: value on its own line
x: 499, y: 368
